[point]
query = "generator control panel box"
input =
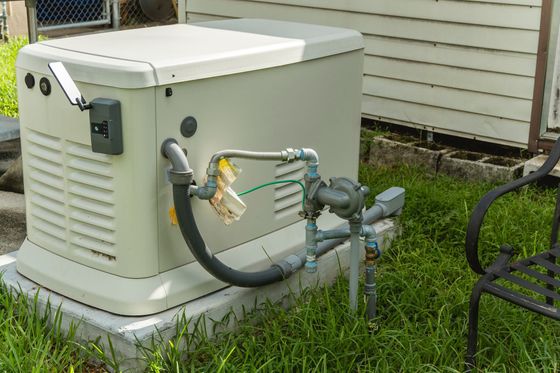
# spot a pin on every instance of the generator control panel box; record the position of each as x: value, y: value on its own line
x: 106, y: 126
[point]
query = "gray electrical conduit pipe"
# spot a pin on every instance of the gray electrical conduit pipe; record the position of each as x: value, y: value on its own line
x: 208, y: 190
x: 332, y: 238
x: 181, y: 176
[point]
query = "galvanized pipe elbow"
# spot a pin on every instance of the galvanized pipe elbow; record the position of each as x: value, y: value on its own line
x: 207, y: 191
x: 369, y: 233
x: 308, y: 155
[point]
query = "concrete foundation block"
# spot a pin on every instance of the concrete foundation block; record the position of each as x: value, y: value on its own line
x: 386, y: 152
x: 535, y: 163
x: 127, y: 334
x: 477, y: 166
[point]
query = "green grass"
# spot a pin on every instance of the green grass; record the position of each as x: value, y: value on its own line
x: 8, y: 94
x: 28, y: 343
x: 424, y: 285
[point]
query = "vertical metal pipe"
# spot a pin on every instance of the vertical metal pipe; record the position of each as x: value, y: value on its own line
x: 311, y: 246
x: 370, y: 288
x: 371, y: 292
x: 31, y: 6
x: 115, y: 14
x: 355, y: 228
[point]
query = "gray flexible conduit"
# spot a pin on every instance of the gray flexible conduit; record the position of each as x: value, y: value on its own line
x: 196, y: 244
x: 213, y: 265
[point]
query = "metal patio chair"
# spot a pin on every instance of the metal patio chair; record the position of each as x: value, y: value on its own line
x: 543, y: 286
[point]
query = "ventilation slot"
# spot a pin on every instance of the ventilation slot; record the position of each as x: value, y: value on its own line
x: 92, y: 218
x: 91, y: 203
x: 47, y: 179
x: 96, y: 256
x: 47, y: 141
x: 92, y: 206
x: 287, y: 197
x: 66, y: 179
x: 52, y: 234
x: 46, y: 189
x: 92, y: 193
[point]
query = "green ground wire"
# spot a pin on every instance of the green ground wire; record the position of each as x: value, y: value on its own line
x: 277, y: 182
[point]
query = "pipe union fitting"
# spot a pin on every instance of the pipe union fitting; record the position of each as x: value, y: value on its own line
x: 180, y: 177
x: 289, y: 155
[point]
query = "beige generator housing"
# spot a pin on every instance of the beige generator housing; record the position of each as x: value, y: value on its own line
x: 100, y: 227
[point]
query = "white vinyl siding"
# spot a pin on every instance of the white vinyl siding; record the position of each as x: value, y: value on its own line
x: 464, y: 67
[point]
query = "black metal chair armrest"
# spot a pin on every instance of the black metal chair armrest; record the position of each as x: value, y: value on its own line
x: 477, y: 217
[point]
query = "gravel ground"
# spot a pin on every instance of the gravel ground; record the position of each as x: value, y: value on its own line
x: 12, y: 221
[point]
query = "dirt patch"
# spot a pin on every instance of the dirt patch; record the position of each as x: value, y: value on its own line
x: 12, y: 216
x: 468, y: 156
x: 12, y: 179
x: 10, y: 149
x: 405, y: 139
x: 499, y: 161
x: 430, y: 145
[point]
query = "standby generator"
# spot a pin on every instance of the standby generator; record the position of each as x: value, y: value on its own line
x: 102, y: 225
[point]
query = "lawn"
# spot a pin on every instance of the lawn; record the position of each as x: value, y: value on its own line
x: 8, y: 95
x: 424, y: 285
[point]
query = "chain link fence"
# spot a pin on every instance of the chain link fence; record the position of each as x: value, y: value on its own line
x: 58, y: 14
x: 131, y: 14
x: 147, y: 12
x: 52, y: 17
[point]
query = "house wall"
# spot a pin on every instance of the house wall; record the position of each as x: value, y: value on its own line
x: 461, y: 67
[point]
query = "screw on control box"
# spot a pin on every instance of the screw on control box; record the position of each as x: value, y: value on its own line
x: 106, y: 126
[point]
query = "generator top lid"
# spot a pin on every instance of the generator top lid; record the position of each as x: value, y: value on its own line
x: 177, y: 53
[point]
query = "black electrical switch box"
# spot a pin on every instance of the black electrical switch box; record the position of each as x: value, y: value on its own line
x: 106, y: 126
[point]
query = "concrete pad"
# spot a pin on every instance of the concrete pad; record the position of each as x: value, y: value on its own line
x: 535, y: 163
x: 229, y: 304
x: 12, y: 221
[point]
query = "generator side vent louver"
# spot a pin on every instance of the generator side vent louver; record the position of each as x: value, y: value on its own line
x: 287, y: 197
x: 72, y: 200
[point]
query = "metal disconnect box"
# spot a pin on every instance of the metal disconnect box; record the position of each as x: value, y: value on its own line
x: 100, y: 227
